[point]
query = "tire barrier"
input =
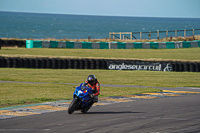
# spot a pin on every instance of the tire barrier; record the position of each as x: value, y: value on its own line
x: 54, y: 63
x: 180, y: 67
x: 3, y: 62
x: 9, y: 62
x: 186, y: 67
x: 58, y: 63
x: 197, y: 67
x: 175, y: 66
x: 13, y: 43
x: 82, y: 64
x: 0, y: 43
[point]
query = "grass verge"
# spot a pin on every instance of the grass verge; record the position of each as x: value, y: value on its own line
x: 185, y: 54
x: 19, y: 94
x: 143, y: 78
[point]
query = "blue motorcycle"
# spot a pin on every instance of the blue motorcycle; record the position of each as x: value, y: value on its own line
x: 81, y: 99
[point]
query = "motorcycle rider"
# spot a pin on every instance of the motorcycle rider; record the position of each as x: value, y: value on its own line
x: 93, y: 83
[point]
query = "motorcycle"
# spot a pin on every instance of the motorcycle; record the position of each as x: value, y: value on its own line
x: 81, y: 99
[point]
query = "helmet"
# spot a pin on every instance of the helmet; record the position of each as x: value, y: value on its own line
x: 91, y: 79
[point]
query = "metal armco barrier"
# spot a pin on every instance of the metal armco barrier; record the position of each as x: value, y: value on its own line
x: 58, y: 63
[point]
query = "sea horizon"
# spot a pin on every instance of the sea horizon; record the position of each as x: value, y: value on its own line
x: 75, y: 26
x: 99, y: 15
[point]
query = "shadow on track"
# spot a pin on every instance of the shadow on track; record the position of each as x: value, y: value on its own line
x: 112, y: 112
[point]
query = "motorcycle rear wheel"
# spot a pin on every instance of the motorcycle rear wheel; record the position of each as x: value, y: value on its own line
x: 72, y: 106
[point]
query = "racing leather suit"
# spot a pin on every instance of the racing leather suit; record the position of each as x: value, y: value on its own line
x: 96, y: 89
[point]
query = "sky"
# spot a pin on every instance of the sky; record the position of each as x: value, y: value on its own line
x: 135, y: 8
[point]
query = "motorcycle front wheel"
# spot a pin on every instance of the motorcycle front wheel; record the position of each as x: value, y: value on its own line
x: 85, y: 109
x: 72, y: 106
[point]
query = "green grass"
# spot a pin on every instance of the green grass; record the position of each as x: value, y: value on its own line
x: 19, y: 94
x: 153, y: 54
x: 144, y: 78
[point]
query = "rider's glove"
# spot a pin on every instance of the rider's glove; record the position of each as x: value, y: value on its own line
x: 91, y: 95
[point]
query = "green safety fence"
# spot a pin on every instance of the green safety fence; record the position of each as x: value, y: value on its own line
x: 186, y: 44
x: 121, y: 45
x: 170, y: 45
x: 29, y: 43
x: 33, y: 44
x: 112, y: 45
x: 53, y: 44
x: 37, y: 44
x: 198, y: 43
x: 137, y: 45
x: 153, y: 45
x: 104, y: 45
x: 86, y: 45
x: 69, y: 44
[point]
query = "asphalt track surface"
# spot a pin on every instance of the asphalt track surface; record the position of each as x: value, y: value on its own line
x: 180, y: 114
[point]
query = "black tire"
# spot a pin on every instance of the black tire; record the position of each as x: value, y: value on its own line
x: 23, y: 62
x: 92, y: 64
x: 45, y: 62
x: 192, y: 67
x: 54, y: 63
x: 85, y: 109
x: 98, y: 64
x: 59, y: 61
x: 71, y: 63
x: 86, y: 62
x: 9, y: 62
x: 82, y: 64
x: 197, y: 67
x: 28, y: 63
x: 37, y: 63
x: 104, y: 64
x: 2, y: 62
x: 76, y: 64
x: 72, y: 106
x: 49, y: 63
x: 33, y: 63
x: 186, y: 67
x: 64, y: 64
x: 181, y: 67
x: 176, y: 67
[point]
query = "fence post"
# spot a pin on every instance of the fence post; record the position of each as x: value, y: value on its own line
x: 185, y: 33
x: 140, y: 35
x: 120, y: 34
x: 193, y: 32
x: 175, y: 33
x: 157, y: 34
x: 149, y: 35
x: 166, y: 33
x: 131, y: 35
